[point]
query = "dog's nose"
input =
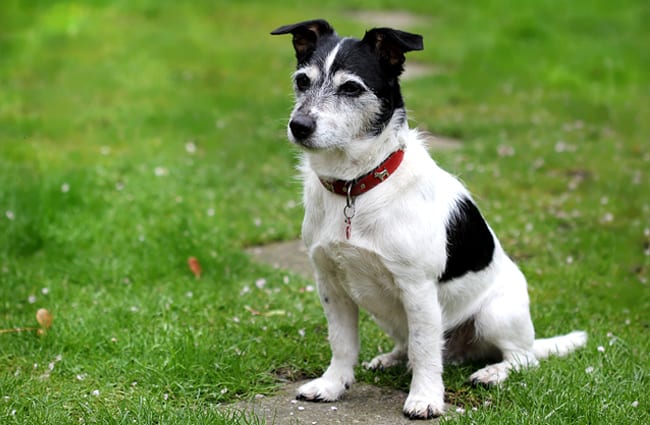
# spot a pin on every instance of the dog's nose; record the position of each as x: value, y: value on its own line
x: 302, y: 126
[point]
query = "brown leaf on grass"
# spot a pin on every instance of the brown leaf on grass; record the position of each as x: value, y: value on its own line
x: 44, y: 318
x: 194, y: 266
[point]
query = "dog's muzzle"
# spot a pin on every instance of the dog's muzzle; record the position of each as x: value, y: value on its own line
x: 302, y: 126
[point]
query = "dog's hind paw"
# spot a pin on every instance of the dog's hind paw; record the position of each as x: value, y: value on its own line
x: 489, y: 376
x: 421, y: 408
x: 384, y: 361
x: 321, y: 389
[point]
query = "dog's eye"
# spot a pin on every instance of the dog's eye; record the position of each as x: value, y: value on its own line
x: 351, y: 88
x: 302, y: 82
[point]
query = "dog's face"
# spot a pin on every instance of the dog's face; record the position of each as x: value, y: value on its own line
x: 346, y: 89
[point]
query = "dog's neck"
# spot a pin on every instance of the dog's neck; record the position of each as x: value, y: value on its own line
x: 359, y: 156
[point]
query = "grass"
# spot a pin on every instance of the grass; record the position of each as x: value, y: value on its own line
x: 135, y: 134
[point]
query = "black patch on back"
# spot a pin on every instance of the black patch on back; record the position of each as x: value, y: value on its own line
x: 470, y: 244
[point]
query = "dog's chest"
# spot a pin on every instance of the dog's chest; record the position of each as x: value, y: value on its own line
x: 359, y: 272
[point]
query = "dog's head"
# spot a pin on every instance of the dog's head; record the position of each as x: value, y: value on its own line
x: 346, y: 89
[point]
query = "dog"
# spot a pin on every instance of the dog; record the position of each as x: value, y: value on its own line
x: 389, y: 231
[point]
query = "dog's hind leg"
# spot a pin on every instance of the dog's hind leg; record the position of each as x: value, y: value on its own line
x: 383, y: 361
x: 496, y: 373
x: 398, y: 331
x: 504, y: 323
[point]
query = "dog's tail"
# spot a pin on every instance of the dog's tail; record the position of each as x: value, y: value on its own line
x: 559, y: 345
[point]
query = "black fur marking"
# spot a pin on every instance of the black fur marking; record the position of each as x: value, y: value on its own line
x: 306, y: 36
x: 470, y: 244
x: 360, y: 58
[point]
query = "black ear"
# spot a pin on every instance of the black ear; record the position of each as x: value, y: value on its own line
x: 391, y: 45
x: 305, y: 36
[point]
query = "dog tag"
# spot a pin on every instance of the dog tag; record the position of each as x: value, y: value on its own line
x: 348, y: 212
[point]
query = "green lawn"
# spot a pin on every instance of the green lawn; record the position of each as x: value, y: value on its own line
x: 136, y: 134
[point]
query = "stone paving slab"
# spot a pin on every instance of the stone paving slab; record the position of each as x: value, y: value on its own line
x: 290, y: 256
x: 362, y: 404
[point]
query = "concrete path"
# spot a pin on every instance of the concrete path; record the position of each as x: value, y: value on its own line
x: 290, y: 256
x: 362, y: 404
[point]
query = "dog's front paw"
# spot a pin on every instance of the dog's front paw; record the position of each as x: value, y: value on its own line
x: 420, y: 407
x: 322, y: 389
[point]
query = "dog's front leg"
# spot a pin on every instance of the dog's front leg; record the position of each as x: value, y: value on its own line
x: 342, y: 321
x: 426, y: 394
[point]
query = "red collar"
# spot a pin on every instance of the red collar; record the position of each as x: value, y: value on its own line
x: 362, y: 184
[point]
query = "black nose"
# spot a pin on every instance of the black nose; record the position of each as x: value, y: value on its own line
x: 302, y: 126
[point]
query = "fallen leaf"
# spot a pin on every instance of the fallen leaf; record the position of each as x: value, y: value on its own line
x: 195, y: 267
x: 44, y: 318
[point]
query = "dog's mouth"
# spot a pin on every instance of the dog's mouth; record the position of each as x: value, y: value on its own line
x: 309, y: 146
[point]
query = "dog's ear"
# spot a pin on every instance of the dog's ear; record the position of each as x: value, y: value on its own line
x: 305, y: 36
x: 391, y: 45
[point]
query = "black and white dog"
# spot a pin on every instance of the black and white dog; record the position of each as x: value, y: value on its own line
x: 389, y: 231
